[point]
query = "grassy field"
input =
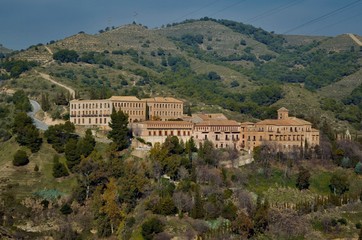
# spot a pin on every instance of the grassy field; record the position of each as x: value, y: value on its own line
x: 25, y: 181
x: 279, y: 188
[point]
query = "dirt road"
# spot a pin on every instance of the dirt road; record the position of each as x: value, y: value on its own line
x: 49, y: 78
x: 355, y: 39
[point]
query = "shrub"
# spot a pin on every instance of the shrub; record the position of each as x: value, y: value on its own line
x: 59, y: 169
x: 151, y: 227
x: 66, y: 209
x: 358, y: 168
x: 20, y: 158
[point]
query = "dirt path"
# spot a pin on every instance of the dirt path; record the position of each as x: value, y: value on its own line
x: 48, y: 77
x: 355, y: 39
x: 49, y: 50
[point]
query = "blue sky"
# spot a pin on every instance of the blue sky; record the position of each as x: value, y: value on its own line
x: 28, y: 22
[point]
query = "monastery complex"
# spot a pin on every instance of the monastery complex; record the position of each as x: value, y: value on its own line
x: 153, y: 119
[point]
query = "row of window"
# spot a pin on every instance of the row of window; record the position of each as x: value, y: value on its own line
x: 218, y: 138
x: 89, y: 105
x: 169, y: 133
x: 217, y: 129
x: 281, y: 138
x: 91, y: 121
x: 94, y: 112
x: 165, y: 105
x: 167, y: 113
x: 129, y: 104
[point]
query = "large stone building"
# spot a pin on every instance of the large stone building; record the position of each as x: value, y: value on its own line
x: 285, y: 133
x: 158, y: 131
x: 160, y: 108
x: 90, y: 112
x: 150, y: 120
x: 218, y: 129
x: 96, y: 113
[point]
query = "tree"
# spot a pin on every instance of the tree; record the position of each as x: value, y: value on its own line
x: 261, y: 215
x: 72, y: 153
x: 119, y: 133
x: 339, y: 183
x: 358, y: 168
x: 198, y: 209
x: 151, y: 227
x: 59, y: 169
x: 303, y: 179
x: 58, y: 135
x: 66, y: 209
x: 66, y: 55
x: 86, y: 145
x: 242, y: 225
x: 21, y: 101
x: 111, y: 208
x: 45, y: 104
x: 20, y: 158
x: 26, y: 133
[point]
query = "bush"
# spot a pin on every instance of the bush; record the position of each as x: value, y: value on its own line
x: 66, y: 209
x: 59, y: 169
x: 66, y: 55
x: 20, y: 158
x: 358, y: 168
x: 151, y: 227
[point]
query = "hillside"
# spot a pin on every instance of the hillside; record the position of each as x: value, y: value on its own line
x: 176, y: 60
x: 4, y: 50
x: 72, y: 182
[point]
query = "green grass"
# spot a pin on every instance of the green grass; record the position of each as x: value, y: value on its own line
x: 319, y: 182
x: 24, y: 181
x: 259, y: 184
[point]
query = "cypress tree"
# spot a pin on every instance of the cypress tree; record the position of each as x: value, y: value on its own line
x: 119, y: 133
x: 86, y: 145
x: 72, y: 153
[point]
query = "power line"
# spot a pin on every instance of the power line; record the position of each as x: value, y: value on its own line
x: 323, y: 16
x: 195, y: 11
x: 273, y: 11
x: 230, y: 6
x: 336, y: 23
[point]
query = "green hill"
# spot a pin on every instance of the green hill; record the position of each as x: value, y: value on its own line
x: 4, y: 50
x: 207, y: 62
x: 215, y: 66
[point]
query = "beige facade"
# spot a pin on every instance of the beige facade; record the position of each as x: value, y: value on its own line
x: 158, y: 131
x: 161, y: 108
x: 132, y: 106
x: 223, y: 133
x: 90, y: 112
x: 286, y: 133
x: 96, y: 113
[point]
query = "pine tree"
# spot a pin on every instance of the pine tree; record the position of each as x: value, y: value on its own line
x: 45, y: 105
x: 72, y: 153
x: 119, y: 133
x: 303, y: 179
x: 198, y: 210
x: 59, y: 169
x: 86, y: 145
x: 147, y: 112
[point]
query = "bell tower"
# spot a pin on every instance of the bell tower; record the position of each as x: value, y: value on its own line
x: 283, y: 113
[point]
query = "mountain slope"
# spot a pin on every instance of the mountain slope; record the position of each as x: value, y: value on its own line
x: 210, y: 63
x: 4, y: 50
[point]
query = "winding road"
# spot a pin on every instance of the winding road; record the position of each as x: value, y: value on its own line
x: 38, y: 124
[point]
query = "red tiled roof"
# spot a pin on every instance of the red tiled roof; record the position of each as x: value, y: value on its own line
x: 291, y: 121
